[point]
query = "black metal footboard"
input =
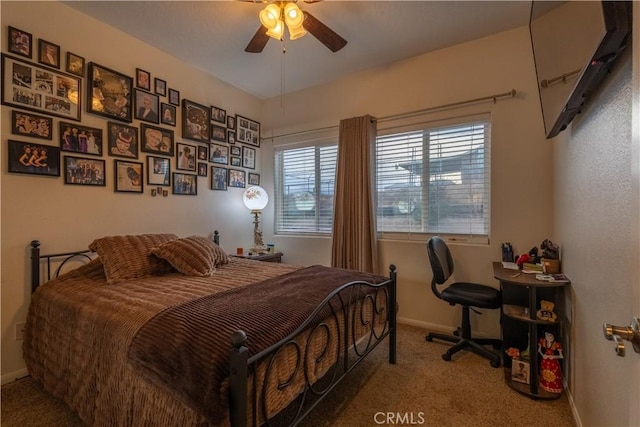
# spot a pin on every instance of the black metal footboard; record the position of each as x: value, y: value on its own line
x: 60, y: 259
x: 348, y: 324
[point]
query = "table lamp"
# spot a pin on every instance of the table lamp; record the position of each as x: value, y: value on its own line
x: 255, y: 198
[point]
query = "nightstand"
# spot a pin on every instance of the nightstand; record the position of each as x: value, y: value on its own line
x: 275, y: 257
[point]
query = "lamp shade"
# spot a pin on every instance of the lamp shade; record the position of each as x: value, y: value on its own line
x: 293, y: 15
x: 269, y: 16
x: 255, y: 198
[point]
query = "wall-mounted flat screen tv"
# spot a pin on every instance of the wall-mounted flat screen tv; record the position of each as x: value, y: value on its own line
x: 574, y: 45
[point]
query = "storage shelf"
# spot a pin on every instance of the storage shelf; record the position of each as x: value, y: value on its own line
x: 521, y: 313
x: 526, y: 388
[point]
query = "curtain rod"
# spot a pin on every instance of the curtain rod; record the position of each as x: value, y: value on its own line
x: 493, y: 98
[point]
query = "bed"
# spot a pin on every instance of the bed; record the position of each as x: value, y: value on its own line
x: 161, y: 330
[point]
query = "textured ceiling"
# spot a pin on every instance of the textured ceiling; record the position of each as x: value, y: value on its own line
x: 212, y: 35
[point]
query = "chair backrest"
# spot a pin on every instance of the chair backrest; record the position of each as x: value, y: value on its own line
x: 441, y: 262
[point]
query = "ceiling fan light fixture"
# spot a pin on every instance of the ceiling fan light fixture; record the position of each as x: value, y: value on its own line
x: 293, y: 15
x: 296, y: 32
x: 277, y: 32
x: 270, y: 16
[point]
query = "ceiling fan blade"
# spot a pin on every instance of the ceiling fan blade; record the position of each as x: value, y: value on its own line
x: 259, y: 41
x: 324, y: 34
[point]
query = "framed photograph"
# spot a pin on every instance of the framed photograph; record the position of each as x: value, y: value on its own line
x: 218, y: 133
x: 248, y: 157
x: 236, y: 161
x: 254, y: 179
x: 34, y: 159
x: 185, y: 184
x: 147, y: 106
x: 27, y: 124
x: 218, y: 115
x: 81, y: 171
x: 75, y: 64
x: 195, y: 121
x: 128, y: 176
x: 218, y: 178
x: 48, y: 53
x: 520, y: 371
x: 231, y: 122
x: 236, y: 151
x: 186, y: 159
x: 158, y: 171
x: 20, y: 42
x: 156, y: 140
x: 203, y: 153
x: 231, y: 136
x: 202, y: 169
x: 109, y: 93
x: 247, y: 131
x: 122, y: 140
x: 80, y: 139
x: 160, y: 87
x: 167, y: 114
x: 219, y: 154
x: 237, y: 178
x: 143, y: 79
x: 174, y: 97
x: 43, y: 90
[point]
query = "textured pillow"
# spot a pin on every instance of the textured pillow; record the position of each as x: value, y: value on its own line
x: 129, y: 257
x: 193, y: 255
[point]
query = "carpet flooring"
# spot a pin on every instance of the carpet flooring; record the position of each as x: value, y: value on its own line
x: 421, y: 389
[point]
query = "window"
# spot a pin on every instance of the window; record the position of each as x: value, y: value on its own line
x: 435, y: 180
x: 304, y: 188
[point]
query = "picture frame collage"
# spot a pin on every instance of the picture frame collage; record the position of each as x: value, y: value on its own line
x: 141, y: 113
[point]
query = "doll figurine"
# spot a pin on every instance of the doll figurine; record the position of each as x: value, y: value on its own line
x: 550, y: 373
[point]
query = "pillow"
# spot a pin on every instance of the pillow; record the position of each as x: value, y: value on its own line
x: 129, y: 257
x: 193, y: 255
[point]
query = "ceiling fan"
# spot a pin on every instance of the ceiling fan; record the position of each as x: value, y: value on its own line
x: 276, y: 15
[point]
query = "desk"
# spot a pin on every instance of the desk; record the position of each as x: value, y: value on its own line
x: 521, y: 296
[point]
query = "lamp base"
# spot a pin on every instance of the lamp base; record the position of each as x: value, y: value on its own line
x: 258, y: 250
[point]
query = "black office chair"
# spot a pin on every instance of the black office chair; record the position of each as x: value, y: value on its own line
x: 465, y: 294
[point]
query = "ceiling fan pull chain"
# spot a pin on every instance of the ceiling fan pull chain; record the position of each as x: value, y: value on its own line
x: 282, y: 75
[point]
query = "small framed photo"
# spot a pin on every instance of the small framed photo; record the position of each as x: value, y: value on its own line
x: 219, y: 154
x: 236, y: 151
x: 143, y: 79
x: 237, y: 178
x: 20, y: 42
x: 236, y: 161
x: 203, y: 153
x: 218, y: 115
x: 174, y: 97
x: 185, y: 184
x: 247, y: 131
x: 80, y: 139
x: 128, y: 176
x: 160, y: 87
x: 81, y: 171
x: 48, y: 53
x: 218, y: 133
x: 248, y: 157
x: 109, y: 93
x: 158, y: 171
x: 33, y: 125
x: 520, y: 371
x: 218, y: 178
x: 186, y: 159
x: 254, y: 179
x: 122, y: 140
x: 195, y: 121
x: 75, y: 64
x: 202, y: 169
x: 34, y: 159
x: 147, y: 106
x: 231, y: 121
x: 231, y: 136
x: 156, y: 140
x: 167, y: 114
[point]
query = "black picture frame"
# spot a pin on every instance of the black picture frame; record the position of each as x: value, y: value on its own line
x: 160, y: 86
x: 231, y: 136
x: 202, y: 169
x: 143, y: 79
x: 84, y: 171
x: 28, y: 158
x: 253, y: 178
x: 109, y: 93
x: 75, y: 64
x: 185, y: 184
x: 235, y: 150
x: 185, y: 157
x: 128, y: 176
x: 218, y: 133
x: 218, y: 178
x: 48, y: 54
x: 40, y: 89
x: 219, y: 154
x: 247, y: 131
x: 31, y: 125
x: 168, y: 114
x: 122, y: 140
x: 235, y: 161
x: 174, y: 97
x: 203, y: 153
x: 80, y: 139
x: 231, y: 122
x: 218, y: 115
x: 237, y: 178
x: 147, y: 107
x: 156, y: 140
x: 196, y: 120
x: 248, y: 157
x: 159, y: 171
x: 20, y: 42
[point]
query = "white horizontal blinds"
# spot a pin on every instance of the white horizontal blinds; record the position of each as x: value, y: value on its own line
x: 435, y: 180
x: 304, y: 187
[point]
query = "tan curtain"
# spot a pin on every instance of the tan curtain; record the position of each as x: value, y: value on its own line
x: 355, y: 244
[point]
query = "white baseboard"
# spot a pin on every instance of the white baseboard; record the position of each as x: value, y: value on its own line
x: 12, y: 376
x: 434, y: 327
x: 572, y: 405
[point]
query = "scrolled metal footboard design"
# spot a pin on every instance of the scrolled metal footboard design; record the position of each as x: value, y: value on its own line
x: 300, y: 370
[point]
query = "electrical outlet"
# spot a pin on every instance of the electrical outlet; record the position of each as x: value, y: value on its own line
x: 20, y: 331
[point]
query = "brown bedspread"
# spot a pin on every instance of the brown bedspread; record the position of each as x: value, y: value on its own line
x: 186, y: 347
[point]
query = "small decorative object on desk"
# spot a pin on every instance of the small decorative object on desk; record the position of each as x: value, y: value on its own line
x: 550, y: 373
x: 546, y: 311
x: 520, y: 371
